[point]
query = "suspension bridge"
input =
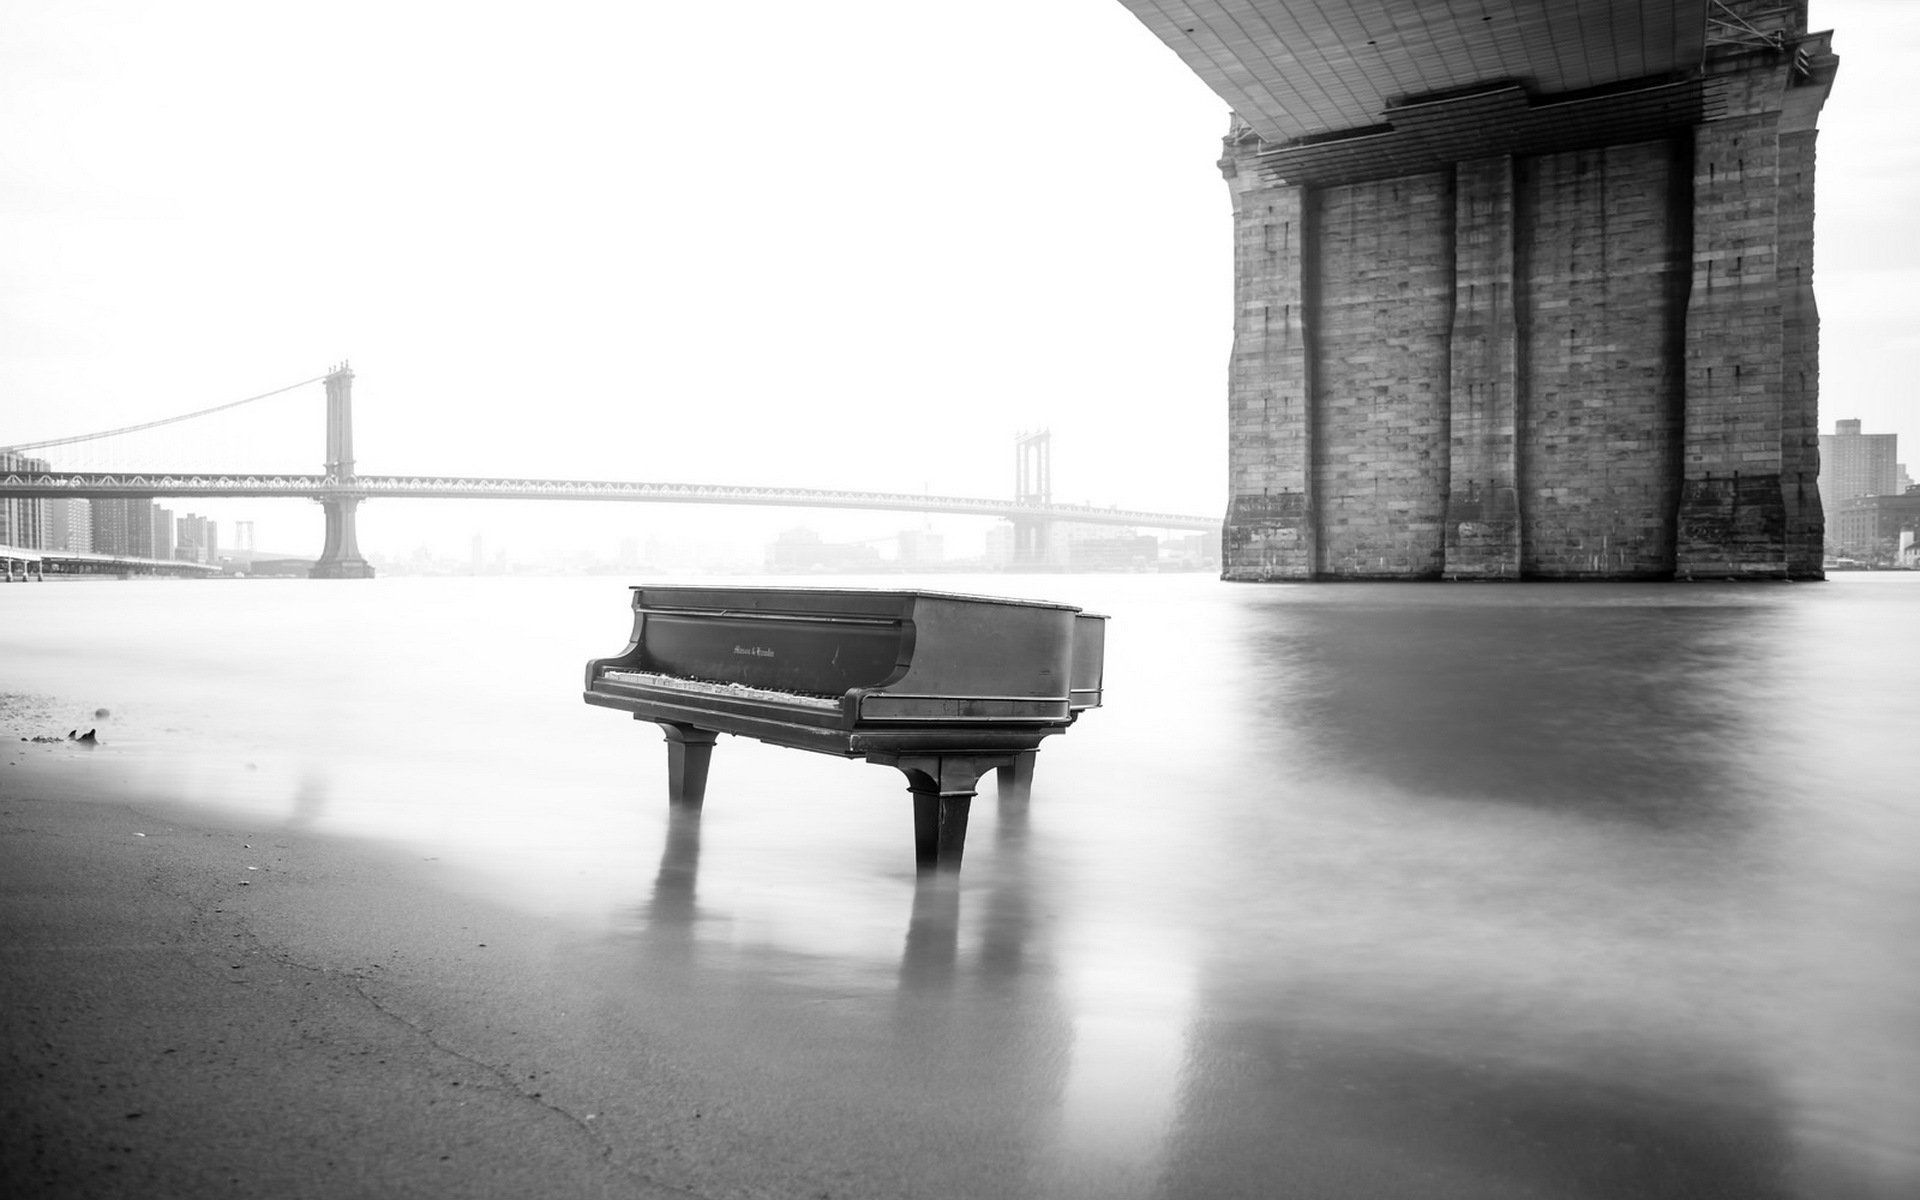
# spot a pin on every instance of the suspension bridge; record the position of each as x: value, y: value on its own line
x: 339, y: 489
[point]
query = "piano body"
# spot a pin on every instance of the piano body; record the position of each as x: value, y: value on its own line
x: 944, y: 687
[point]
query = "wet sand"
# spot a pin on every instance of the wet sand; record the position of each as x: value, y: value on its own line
x: 198, y: 1007
x: 202, y: 1010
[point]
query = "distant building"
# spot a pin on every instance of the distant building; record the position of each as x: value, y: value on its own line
x: 921, y: 547
x: 1112, y: 551
x: 999, y: 545
x: 1874, y: 530
x: 1045, y: 548
x: 1190, y: 552
x: 69, y: 526
x: 190, y: 538
x: 22, y: 522
x: 157, y: 541
x: 802, y: 550
x: 109, y: 521
x: 1857, y: 464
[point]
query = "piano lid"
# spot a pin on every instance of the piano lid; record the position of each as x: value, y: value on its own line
x: 849, y: 601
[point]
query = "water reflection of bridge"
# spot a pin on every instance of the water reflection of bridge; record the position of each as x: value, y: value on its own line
x: 340, y: 489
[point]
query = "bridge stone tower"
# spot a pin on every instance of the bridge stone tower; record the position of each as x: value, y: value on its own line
x: 340, y: 555
x: 1521, y: 290
x: 1032, y: 484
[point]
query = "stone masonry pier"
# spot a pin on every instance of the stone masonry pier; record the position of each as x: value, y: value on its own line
x: 1504, y: 331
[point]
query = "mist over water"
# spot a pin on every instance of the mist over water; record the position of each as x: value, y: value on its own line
x: 1376, y: 890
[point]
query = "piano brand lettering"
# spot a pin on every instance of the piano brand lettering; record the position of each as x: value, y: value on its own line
x: 753, y: 651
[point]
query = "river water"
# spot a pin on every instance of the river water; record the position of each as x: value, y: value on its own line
x: 1348, y: 890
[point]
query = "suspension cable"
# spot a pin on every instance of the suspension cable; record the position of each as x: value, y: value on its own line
x: 88, y: 437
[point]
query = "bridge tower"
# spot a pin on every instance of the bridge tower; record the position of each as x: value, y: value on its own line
x: 1520, y: 290
x: 1032, y: 484
x: 340, y: 556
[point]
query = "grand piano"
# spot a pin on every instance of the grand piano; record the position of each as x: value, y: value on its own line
x: 944, y: 687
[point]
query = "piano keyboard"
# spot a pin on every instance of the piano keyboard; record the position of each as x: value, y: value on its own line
x: 732, y: 691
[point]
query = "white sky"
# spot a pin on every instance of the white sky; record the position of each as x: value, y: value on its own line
x: 858, y: 245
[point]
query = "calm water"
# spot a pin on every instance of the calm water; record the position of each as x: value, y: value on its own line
x: 1368, y: 890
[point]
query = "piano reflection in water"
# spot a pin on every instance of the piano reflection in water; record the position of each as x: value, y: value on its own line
x: 944, y: 687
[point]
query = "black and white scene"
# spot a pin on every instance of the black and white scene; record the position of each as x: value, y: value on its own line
x: 1056, y: 599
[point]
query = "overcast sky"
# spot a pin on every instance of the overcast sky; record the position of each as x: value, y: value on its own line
x: 859, y: 245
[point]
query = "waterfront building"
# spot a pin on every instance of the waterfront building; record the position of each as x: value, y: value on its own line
x: 1874, y: 530
x: 22, y: 522
x: 195, y: 539
x: 111, y: 525
x: 1100, y: 549
x: 801, y: 549
x: 1190, y: 551
x: 1855, y: 469
x: 69, y: 526
x: 158, y: 539
x: 921, y: 547
x: 1857, y: 464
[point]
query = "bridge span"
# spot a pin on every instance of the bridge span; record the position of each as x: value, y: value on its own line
x: 47, y: 485
x: 340, y: 489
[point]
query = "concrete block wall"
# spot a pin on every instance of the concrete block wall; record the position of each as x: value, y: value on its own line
x: 1382, y: 301
x: 1603, y: 276
x: 1483, y: 510
x: 1271, y: 528
x: 1732, y: 520
x: 1802, y: 99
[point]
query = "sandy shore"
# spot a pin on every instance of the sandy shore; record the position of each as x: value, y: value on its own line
x: 190, y: 1006
x: 192, y: 1009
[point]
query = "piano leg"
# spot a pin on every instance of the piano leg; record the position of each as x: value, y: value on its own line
x: 689, y: 753
x: 943, y: 786
x: 1016, y: 778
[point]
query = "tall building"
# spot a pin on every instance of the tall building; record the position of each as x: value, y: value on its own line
x: 110, y: 526
x: 158, y: 542
x: 1857, y: 464
x: 69, y: 526
x: 136, y: 528
x: 22, y: 522
x: 1855, y: 469
x: 194, y: 539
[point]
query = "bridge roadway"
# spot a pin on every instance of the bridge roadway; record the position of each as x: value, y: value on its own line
x: 326, y: 488
x: 18, y: 563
